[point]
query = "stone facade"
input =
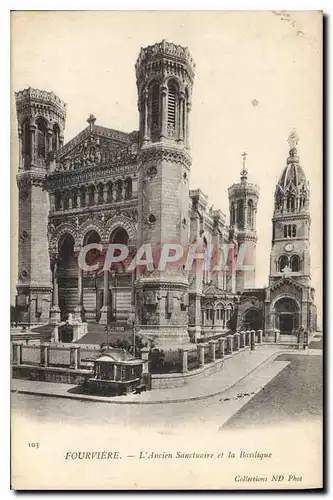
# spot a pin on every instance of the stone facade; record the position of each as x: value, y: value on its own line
x: 106, y: 186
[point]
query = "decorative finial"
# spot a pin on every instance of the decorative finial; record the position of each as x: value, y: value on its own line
x: 91, y: 121
x: 293, y: 139
x: 244, y: 172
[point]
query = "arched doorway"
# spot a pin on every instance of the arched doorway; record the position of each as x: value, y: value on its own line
x: 253, y: 319
x: 286, y: 315
x: 67, y: 275
x: 93, y: 280
x: 120, y: 280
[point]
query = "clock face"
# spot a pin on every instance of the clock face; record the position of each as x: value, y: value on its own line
x: 289, y: 247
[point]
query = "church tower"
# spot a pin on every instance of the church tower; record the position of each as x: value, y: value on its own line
x: 164, y: 75
x: 243, y: 205
x: 41, y: 120
x: 290, y: 253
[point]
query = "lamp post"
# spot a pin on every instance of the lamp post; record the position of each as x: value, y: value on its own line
x: 131, y: 320
x: 113, y: 275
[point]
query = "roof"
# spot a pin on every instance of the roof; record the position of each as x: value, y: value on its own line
x: 112, y: 355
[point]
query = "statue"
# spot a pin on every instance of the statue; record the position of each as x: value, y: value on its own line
x: 293, y: 139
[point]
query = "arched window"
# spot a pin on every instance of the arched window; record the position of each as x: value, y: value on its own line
x: 172, y: 109
x: 228, y: 312
x: 26, y: 142
x: 93, y: 256
x: 209, y: 312
x: 240, y: 214
x: 41, y: 139
x: 233, y: 213
x: 118, y: 190
x: 82, y: 196
x: 291, y: 203
x: 289, y: 231
x: 283, y: 262
x: 100, y: 193
x: 128, y: 189
x: 66, y: 200
x: 109, y: 192
x: 55, y: 137
x: 250, y: 214
x: 91, y: 195
x: 302, y: 202
x: 58, y: 201
x: 295, y: 263
x: 119, y: 235
x: 219, y: 313
x: 155, y: 110
x: 74, y: 198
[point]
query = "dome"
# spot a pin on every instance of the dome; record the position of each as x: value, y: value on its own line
x: 292, y: 174
x: 292, y: 186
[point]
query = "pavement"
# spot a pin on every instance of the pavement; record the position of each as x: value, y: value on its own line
x: 234, y: 370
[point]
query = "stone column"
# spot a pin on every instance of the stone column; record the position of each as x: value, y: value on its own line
x: 181, y: 115
x: 96, y: 196
x: 33, y: 154
x: 114, y: 191
x: 145, y: 119
x: 87, y: 198
x: 212, y: 349
x: 44, y: 355
x: 105, y: 308
x: 242, y: 339
x: 187, y: 131
x: 55, y: 310
x: 253, y: 339
x: 114, y: 372
x: 79, y: 310
x: 17, y: 353
x: 19, y: 132
x: 236, y: 341
x: 123, y: 190
x: 78, y: 198
x: 201, y: 348
x: 185, y: 360
x: 230, y: 343
x: 105, y: 193
x: 259, y: 336
x: 221, y: 343
x: 74, y: 353
x: 145, y: 359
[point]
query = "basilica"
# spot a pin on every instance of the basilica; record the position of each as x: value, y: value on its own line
x: 106, y: 186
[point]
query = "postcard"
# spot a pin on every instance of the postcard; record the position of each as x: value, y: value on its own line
x: 166, y: 215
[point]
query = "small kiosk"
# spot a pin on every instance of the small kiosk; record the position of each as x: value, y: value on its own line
x: 116, y: 372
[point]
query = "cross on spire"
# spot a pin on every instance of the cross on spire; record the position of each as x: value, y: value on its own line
x: 244, y: 172
x: 91, y: 120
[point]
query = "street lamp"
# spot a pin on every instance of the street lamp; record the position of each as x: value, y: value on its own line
x: 131, y: 320
x: 113, y: 275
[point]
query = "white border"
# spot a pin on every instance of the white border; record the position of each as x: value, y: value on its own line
x: 5, y: 7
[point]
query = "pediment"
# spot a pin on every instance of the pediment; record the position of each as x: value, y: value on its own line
x: 286, y: 280
x: 212, y: 290
x: 97, y: 145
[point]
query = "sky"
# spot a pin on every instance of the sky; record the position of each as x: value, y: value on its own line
x: 258, y: 76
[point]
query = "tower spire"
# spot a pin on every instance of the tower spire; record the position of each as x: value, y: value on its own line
x: 244, y: 171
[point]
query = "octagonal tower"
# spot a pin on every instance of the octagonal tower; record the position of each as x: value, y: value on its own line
x: 41, y: 119
x: 243, y: 203
x: 164, y: 75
